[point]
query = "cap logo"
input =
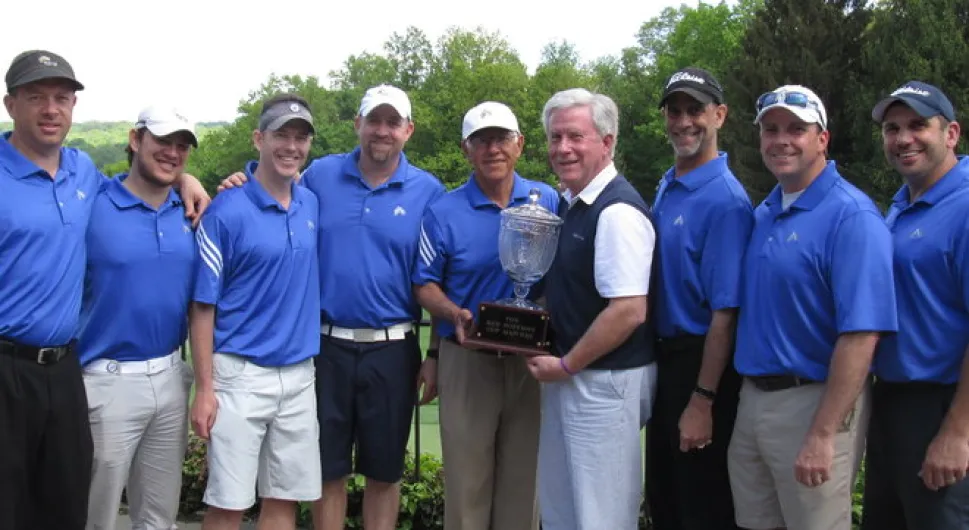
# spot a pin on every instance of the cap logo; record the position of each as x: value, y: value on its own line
x: 46, y: 61
x: 685, y: 76
x: 381, y: 91
x: 294, y: 107
x: 912, y: 90
x: 485, y: 113
x: 180, y: 117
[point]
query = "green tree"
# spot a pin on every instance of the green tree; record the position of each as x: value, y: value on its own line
x: 815, y: 43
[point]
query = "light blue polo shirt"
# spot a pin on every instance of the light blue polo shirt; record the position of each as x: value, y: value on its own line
x: 368, y: 240
x: 931, y: 238
x: 43, y: 222
x: 258, y: 265
x: 138, y: 282
x: 811, y: 273
x: 459, y: 245
x: 704, y: 219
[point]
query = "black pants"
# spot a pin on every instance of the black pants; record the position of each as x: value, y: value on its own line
x: 46, y: 450
x: 905, y: 417
x: 689, y: 491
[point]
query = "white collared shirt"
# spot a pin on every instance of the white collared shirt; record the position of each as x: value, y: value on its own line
x: 624, y: 242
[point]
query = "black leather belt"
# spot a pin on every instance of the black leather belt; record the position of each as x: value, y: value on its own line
x: 39, y: 355
x: 773, y: 383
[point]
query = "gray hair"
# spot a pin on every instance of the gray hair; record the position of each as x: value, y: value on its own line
x: 605, y: 113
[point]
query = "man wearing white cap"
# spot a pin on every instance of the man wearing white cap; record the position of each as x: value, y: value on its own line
x: 371, y: 202
x: 489, y: 403
x: 134, y: 316
x: 817, y: 293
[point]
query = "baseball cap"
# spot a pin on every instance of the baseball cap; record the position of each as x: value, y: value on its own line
x: 799, y: 100
x: 162, y: 121
x: 696, y: 83
x: 35, y: 65
x: 486, y: 115
x: 925, y: 99
x: 386, y: 95
x: 281, y: 113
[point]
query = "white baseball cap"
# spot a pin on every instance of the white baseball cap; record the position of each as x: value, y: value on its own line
x: 799, y: 100
x: 386, y: 95
x: 486, y: 115
x: 162, y: 121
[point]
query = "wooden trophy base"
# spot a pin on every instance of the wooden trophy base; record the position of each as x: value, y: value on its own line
x: 511, y: 329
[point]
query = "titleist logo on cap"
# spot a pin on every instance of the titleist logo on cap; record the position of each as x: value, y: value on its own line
x: 912, y: 90
x: 685, y: 76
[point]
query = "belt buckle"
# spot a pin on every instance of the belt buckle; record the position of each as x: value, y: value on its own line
x: 42, y: 355
x: 362, y: 335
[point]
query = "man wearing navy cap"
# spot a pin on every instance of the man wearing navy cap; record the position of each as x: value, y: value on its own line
x: 47, y: 195
x: 704, y: 218
x: 489, y: 403
x: 134, y: 317
x: 255, y: 324
x: 918, y: 442
x: 816, y: 296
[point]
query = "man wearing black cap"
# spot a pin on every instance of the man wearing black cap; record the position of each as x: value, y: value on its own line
x: 918, y: 440
x: 704, y: 219
x: 47, y: 195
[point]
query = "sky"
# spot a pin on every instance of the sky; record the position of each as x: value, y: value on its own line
x: 204, y: 56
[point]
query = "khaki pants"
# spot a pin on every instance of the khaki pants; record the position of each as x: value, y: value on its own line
x: 768, y: 435
x: 489, y: 419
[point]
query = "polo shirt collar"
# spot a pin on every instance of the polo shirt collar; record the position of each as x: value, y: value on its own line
x: 401, y: 175
x: 124, y: 199
x: 698, y: 177
x: 22, y: 167
x: 951, y: 181
x: 813, y: 194
x: 258, y: 194
x: 478, y: 199
x: 594, y: 187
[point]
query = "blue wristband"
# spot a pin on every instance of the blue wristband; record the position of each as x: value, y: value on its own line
x: 565, y: 366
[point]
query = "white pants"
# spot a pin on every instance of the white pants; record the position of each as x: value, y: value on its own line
x: 266, y: 431
x: 139, y: 424
x: 589, y: 456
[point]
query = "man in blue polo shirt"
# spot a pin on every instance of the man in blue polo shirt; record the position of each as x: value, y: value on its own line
x: 816, y: 295
x: 489, y: 403
x: 47, y: 194
x: 254, y: 326
x: 134, y: 318
x: 704, y: 219
x: 602, y: 372
x: 918, y: 442
x: 371, y: 203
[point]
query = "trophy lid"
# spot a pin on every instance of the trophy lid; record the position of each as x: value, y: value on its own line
x: 533, y: 211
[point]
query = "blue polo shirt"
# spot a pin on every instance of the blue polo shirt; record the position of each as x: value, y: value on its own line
x: 138, y: 283
x: 811, y: 273
x: 42, y: 226
x: 459, y: 245
x: 931, y: 238
x: 704, y: 219
x: 368, y: 240
x: 258, y: 266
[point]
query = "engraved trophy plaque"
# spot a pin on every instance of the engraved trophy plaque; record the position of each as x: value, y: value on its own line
x: 527, y: 242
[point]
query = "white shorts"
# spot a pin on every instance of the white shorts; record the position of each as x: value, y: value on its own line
x: 266, y: 432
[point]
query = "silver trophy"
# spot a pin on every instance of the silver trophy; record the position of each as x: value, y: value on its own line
x: 527, y: 242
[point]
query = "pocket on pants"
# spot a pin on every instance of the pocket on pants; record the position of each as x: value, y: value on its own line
x: 227, y: 368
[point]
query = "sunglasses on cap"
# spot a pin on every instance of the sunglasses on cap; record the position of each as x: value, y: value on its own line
x: 793, y: 98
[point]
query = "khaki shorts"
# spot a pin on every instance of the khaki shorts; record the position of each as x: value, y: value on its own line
x: 265, y: 431
x: 767, y: 437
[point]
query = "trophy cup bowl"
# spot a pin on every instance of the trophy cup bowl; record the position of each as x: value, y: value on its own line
x: 527, y: 241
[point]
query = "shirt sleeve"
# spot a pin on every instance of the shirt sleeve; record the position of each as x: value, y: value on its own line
x: 431, y: 252
x: 624, y: 244
x: 214, y: 251
x: 721, y: 262
x: 860, y: 272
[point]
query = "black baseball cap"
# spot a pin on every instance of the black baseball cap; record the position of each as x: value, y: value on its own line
x: 925, y: 99
x: 696, y: 83
x: 282, y: 112
x: 36, y: 65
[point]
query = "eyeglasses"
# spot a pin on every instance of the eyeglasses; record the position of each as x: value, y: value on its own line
x: 794, y: 99
x: 500, y: 140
